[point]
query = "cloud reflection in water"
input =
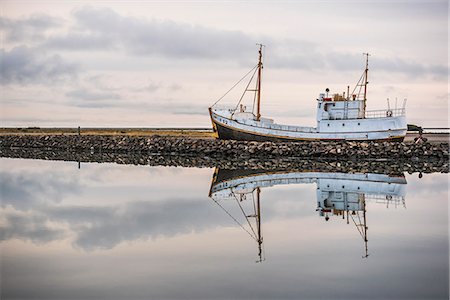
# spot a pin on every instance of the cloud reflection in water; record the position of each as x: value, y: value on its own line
x: 154, y: 233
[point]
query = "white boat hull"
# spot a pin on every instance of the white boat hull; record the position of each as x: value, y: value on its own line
x: 384, y: 128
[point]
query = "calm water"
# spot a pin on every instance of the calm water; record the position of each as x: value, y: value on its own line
x: 107, y: 231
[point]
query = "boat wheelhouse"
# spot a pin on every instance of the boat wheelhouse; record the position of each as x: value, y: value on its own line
x: 339, y: 117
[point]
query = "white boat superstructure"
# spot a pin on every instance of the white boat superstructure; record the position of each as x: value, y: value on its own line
x: 339, y: 117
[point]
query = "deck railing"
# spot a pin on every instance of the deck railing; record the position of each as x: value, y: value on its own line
x: 385, y: 113
x: 380, y: 113
x: 389, y: 200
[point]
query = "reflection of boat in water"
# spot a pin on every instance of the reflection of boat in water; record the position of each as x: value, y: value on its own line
x: 338, y: 194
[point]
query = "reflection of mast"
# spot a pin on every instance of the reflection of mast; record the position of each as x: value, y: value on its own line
x: 255, y: 234
x: 356, y: 211
x: 362, y: 224
x: 365, y: 228
x: 258, y: 222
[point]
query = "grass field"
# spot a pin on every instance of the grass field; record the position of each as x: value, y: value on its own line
x: 187, y: 132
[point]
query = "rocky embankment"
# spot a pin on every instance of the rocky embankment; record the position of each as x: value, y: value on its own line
x: 181, y: 146
x: 376, y: 157
x: 351, y: 165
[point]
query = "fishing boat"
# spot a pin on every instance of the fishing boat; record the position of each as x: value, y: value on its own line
x: 339, y: 116
x: 340, y: 195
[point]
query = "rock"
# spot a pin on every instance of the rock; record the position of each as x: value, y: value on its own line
x: 220, y: 148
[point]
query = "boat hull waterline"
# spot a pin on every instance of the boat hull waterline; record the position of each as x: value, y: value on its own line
x: 229, y: 129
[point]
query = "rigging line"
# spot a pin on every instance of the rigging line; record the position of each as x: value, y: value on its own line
x: 254, y: 204
x: 357, y: 228
x: 234, y: 219
x: 254, y: 97
x: 243, y: 212
x: 359, y: 218
x: 245, y: 90
x: 357, y: 84
x: 234, y: 85
x: 256, y: 85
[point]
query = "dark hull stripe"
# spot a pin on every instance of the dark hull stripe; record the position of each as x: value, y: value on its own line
x: 226, y: 133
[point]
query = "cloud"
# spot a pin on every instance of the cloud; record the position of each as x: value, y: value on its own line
x: 161, y: 105
x: 175, y: 87
x: 28, y: 226
x: 152, y: 86
x: 24, y: 65
x: 106, y: 228
x: 86, y: 41
x: 24, y: 192
x: 313, y: 60
x: 89, y: 95
x: 34, y: 208
x: 32, y: 28
x: 183, y: 109
x: 104, y: 29
x: 178, y: 40
x: 93, y: 98
x: 411, y: 68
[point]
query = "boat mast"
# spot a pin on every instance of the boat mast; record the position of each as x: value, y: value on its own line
x: 365, y: 80
x: 258, y: 89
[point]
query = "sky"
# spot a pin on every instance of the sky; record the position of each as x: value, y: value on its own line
x: 163, y: 63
